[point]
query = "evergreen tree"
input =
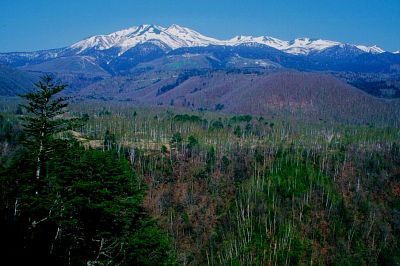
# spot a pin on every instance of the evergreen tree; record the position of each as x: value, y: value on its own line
x: 44, y: 119
x: 109, y: 141
x: 210, y: 159
x: 176, y: 140
x: 224, y: 163
x: 193, y: 145
x: 192, y: 142
x: 237, y: 132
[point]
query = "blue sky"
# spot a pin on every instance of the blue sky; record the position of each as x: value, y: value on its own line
x: 27, y: 25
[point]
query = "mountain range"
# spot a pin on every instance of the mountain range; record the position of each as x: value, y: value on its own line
x: 124, y: 49
x: 176, y: 36
x: 157, y: 65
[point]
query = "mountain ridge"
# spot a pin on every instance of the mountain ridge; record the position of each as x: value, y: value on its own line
x: 132, y: 36
x: 176, y: 36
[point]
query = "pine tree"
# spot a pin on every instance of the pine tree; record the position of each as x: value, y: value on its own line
x: 210, y: 159
x: 109, y: 141
x: 44, y: 119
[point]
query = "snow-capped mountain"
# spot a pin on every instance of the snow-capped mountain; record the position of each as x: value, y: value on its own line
x: 175, y: 36
x: 306, y: 45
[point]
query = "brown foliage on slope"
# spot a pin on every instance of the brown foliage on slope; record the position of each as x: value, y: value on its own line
x: 299, y: 94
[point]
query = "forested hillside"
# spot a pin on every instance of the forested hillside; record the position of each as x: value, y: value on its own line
x: 288, y: 93
x: 121, y: 185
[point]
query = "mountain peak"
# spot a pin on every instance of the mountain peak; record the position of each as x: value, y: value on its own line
x: 371, y: 49
x: 177, y: 27
x: 241, y: 38
x: 147, y: 28
x: 179, y: 30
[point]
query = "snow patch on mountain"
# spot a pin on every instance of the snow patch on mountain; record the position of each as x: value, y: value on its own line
x: 305, y: 45
x: 370, y: 49
x: 266, y: 40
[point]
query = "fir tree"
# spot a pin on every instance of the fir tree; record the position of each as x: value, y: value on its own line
x: 44, y: 119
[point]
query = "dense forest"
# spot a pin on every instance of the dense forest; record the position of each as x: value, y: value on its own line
x: 108, y: 183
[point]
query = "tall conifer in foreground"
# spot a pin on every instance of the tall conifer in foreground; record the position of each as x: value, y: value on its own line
x: 44, y: 119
